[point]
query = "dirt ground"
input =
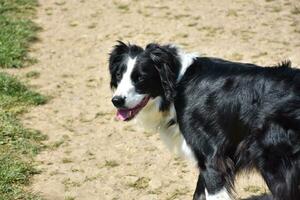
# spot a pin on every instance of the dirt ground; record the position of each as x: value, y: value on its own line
x: 91, y: 155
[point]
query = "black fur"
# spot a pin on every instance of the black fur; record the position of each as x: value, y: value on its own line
x: 233, y: 115
x: 242, y: 116
x: 165, y: 61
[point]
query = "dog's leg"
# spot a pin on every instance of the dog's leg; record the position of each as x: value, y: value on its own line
x: 199, y: 193
x: 217, y: 170
x: 223, y: 194
x: 216, y: 179
x: 217, y: 184
x: 283, y: 181
x: 279, y: 162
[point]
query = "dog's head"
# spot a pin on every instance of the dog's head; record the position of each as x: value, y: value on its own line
x: 138, y: 75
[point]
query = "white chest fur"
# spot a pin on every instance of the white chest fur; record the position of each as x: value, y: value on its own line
x: 153, y: 120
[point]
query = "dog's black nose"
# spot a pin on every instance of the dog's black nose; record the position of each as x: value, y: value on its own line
x: 118, y: 101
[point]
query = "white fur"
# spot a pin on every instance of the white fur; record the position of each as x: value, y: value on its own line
x: 221, y: 195
x: 186, y: 60
x: 153, y: 120
x: 126, y: 88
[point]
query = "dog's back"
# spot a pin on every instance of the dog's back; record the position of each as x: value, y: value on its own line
x: 245, y: 113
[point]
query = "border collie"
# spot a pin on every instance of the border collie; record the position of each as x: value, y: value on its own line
x: 227, y: 116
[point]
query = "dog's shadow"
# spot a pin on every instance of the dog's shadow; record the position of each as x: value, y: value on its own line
x: 260, y: 197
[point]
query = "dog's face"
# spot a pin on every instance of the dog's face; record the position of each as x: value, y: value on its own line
x: 138, y: 75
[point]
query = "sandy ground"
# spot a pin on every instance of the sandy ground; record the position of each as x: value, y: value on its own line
x: 94, y: 157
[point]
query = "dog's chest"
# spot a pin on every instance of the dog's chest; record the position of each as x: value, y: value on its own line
x: 153, y: 120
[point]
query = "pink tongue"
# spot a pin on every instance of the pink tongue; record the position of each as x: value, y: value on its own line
x: 123, y: 114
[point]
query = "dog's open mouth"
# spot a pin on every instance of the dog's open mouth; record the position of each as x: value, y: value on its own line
x: 128, y: 114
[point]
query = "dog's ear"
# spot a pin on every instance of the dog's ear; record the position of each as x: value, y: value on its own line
x: 162, y: 60
x: 152, y: 46
x: 168, y: 81
x: 118, y: 52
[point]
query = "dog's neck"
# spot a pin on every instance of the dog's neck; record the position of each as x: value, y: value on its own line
x: 156, y: 121
x: 151, y: 116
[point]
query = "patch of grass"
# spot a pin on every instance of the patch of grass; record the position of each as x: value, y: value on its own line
x: 68, y: 183
x: 14, y: 174
x: 275, y: 9
x: 92, y: 25
x: 14, y: 137
x: 140, y: 183
x: 73, y: 23
x: 101, y: 114
x: 192, y: 24
x: 232, y: 13
x: 67, y: 160
x: 177, y: 193
x: 15, y: 36
x: 91, y: 178
x: 16, y: 32
x: 18, y: 144
x: 181, y: 35
x: 60, y: 3
x: 295, y: 11
x: 123, y: 7
x: 156, y: 191
x: 211, y: 31
x: 180, y: 16
x: 33, y: 74
x: 111, y: 163
x: 297, y: 30
x: 57, y: 144
x: 293, y: 24
x: 18, y: 8
x: 129, y: 128
x: 15, y: 97
x: 69, y: 198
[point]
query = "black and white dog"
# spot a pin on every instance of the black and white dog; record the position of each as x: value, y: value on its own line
x: 227, y: 116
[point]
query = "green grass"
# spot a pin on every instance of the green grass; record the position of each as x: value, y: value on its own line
x: 18, y: 144
x: 15, y: 97
x: 140, y: 183
x: 33, y: 74
x: 16, y: 32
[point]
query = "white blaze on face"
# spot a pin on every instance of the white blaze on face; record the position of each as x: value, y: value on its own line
x: 126, y: 88
x: 221, y: 195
